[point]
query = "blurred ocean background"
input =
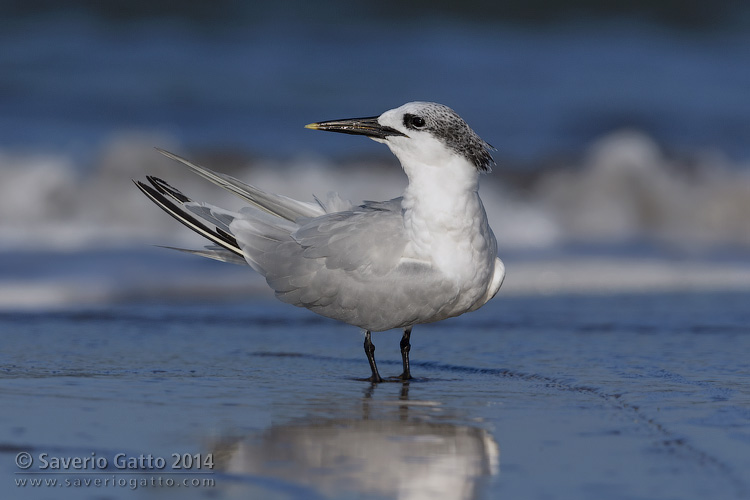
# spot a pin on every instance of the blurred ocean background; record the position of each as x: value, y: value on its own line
x: 613, y: 362
x: 625, y: 127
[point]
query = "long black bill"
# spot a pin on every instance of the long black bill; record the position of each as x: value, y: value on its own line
x: 357, y: 126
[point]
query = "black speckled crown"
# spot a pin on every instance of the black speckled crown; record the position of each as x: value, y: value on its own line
x: 445, y: 124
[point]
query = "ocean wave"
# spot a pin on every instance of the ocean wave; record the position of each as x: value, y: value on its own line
x: 627, y: 189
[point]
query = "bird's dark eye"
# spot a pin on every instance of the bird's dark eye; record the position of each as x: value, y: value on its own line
x: 414, y: 121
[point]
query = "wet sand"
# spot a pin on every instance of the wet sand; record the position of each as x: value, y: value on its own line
x: 557, y: 396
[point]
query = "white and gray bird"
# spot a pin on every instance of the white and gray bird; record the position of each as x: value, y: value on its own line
x: 423, y: 257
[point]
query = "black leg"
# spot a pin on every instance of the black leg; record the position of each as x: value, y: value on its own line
x: 405, y: 348
x: 370, y: 351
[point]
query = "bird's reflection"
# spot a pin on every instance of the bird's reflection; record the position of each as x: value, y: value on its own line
x: 394, y: 449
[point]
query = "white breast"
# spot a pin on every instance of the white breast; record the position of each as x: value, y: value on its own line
x: 454, y: 237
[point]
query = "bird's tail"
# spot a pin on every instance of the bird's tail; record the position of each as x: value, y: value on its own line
x: 210, y: 222
x: 270, y: 218
x: 274, y: 204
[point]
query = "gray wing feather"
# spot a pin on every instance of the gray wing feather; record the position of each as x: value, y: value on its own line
x: 371, y: 237
x: 275, y: 204
x: 334, y: 203
x: 214, y: 252
x: 219, y: 217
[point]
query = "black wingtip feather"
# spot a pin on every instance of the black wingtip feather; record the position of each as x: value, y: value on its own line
x: 163, y: 187
x: 160, y: 194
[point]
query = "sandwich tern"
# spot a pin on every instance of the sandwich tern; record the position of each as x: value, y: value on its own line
x: 422, y: 257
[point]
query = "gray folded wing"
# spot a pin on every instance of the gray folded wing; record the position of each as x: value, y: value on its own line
x: 348, y: 266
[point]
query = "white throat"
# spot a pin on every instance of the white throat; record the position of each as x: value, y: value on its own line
x: 442, y: 211
x: 441, y: 194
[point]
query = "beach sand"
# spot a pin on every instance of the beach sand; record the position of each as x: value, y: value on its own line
x: 556, y: 395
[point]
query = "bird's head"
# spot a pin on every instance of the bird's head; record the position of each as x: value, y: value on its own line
x: 420, y: 133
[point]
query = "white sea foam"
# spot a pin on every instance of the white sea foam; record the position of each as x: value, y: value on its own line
x: 627, y: 189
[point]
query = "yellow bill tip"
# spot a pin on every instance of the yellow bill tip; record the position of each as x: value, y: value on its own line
x: 313, y: 126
